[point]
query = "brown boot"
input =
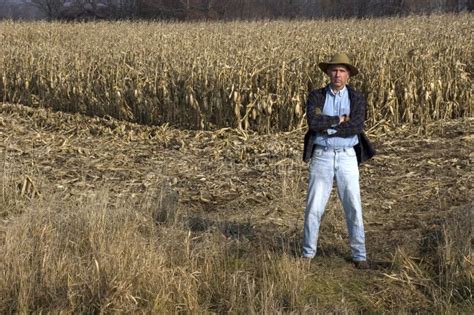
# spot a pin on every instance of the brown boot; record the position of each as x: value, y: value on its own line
x: 362, y: 264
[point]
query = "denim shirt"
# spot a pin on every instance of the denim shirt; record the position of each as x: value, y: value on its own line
x: 336, y: 104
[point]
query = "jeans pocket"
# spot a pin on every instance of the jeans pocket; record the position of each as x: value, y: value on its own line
x: 318, y: 152
x: 350, y: 152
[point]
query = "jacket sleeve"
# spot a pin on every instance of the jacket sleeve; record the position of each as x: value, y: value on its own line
x: 318, y: 122
x: 356, y: 123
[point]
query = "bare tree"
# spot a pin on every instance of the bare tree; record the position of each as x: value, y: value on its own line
x: 51, y: 8
x: 4, y: 10
x: 186, y: 4
x: 236, y: 9
x: 123, y: 8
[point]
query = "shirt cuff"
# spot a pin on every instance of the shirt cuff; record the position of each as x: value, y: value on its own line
x: 331, y: 131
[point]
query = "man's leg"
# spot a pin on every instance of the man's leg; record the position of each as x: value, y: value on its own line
x: 347, y: 178
x: 321, y: 175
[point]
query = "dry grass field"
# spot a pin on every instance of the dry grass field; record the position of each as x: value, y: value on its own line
x: 100, y: 215
x: 119, y: 212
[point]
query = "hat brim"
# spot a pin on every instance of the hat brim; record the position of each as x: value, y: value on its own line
x: 324, y: 66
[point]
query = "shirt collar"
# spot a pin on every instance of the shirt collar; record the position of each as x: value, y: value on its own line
x: 341, y: 92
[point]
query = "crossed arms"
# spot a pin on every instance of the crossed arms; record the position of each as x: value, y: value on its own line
x: 318, y: 122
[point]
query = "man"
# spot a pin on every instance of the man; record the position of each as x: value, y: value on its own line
x: 335, y: 144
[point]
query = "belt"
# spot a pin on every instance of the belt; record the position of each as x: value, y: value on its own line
x: 335, y: 149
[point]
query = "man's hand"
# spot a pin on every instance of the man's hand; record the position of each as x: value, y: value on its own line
x: 343, y: 118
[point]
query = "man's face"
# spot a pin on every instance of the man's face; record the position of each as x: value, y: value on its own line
x: 339, y: 75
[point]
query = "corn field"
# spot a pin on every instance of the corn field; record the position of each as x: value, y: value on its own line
x: 249, y: 75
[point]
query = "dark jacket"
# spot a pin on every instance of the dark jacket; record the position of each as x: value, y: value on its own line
x: 317, y: 122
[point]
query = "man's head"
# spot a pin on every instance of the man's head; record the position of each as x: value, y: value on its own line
x: 339, y: 75
x: 339, y: 69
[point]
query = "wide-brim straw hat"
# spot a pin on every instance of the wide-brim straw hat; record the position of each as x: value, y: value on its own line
x: 339, y: 59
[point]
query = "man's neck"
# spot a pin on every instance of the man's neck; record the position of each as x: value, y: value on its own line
x: 335, y: 89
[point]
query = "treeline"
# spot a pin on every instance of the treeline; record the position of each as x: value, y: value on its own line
x: 255, y: 9
x: 226, y: 9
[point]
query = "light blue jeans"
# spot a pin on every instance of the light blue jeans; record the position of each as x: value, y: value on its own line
x: 327, y: 164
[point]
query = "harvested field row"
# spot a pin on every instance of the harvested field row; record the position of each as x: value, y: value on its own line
x: 219, y: 171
